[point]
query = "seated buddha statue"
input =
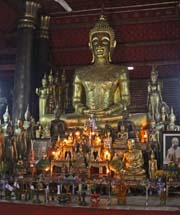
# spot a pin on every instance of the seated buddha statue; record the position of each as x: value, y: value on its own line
x: 106, y: 85
x: 102, y: 88
x: 57, y: 126
x: 128, y: 125
x: 133, y: 162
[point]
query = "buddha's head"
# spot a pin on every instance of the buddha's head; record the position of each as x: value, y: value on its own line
x: 154, y: 74
x: 102, y: 41
x: 152, y: 155
x: 44, y: 81
x: 50, y: 77
x: 153, y: 123
x: 57, y: 112
x: 175, y: 142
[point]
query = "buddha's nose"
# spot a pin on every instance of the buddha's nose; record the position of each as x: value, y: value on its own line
x: 100, y: 47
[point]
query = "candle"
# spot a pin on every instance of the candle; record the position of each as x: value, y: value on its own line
x: 32, y: 149
x: 80, y: 187
x: 58, y: 189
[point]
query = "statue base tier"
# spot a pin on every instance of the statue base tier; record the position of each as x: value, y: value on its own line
x: 134, y: 178
x: 74, y: 120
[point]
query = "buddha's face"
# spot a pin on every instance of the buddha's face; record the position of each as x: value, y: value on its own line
x: 175, y: 142
x: 50, y: 79
x: 100, y: 45
x: 44, y: 82
x: 152, y: 156
x: 153, y: 78
x: 172, y: 118
x: 163, y: 109
x: 153, y: 124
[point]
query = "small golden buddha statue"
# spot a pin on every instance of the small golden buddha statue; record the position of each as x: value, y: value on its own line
x: 152, y: 166
x: 171, y: 125
x: 51, y: 103
x: 116, y: 164
x: 108, y: 141
x: 133, y: 162
x: 97, y: 140
x: 42, y: 92
x: 154, y: 100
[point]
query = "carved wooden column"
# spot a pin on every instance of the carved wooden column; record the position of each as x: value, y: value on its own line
x: 22, y: 79
x: 40, y: 59
x: 43, y: 58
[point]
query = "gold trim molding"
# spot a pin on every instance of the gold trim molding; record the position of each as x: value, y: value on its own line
x: 29, y: 19
x: 44, y: 27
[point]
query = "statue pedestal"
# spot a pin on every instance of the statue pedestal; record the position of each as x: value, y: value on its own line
x: 74, y: 120
x: 134, y: 178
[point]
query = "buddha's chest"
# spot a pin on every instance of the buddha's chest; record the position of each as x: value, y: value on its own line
x: 131, y: 157
x: 99, y: 86
x: 102, y: 82
x: 153, y: 87
x: 101, y: 78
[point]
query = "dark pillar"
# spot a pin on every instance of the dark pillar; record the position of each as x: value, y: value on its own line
x: 41, y: 60
x: 22, y: 79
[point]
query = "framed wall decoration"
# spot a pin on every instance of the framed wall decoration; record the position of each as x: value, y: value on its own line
x: 40, y: 147
x: 171, y: 147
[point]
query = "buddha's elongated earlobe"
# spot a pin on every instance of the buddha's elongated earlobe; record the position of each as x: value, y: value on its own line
x: 90, y: 46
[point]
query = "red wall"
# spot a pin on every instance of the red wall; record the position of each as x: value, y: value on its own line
x: 145, y: 36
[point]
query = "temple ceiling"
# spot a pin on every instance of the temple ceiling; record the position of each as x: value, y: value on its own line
x: 146, y: 33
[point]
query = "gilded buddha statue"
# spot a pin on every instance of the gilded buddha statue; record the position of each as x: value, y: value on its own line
x: 133, y: 162
x: 105, y: 85
x: 42, y: 92
x: 154, y: 100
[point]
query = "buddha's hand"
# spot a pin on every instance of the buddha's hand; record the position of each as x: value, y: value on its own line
x: 86, y: 112
x: 37, y: 91
x: 122, y: 171
x: 108, y: 112
x: 79, y: 108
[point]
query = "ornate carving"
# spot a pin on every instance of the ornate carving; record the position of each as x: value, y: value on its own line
x: 44, y: 27
x: 29, y: 19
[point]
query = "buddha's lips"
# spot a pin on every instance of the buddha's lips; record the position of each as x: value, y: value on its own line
x: 100, y: 51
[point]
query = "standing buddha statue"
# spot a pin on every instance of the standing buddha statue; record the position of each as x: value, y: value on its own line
x: 51, y: 94
x: 42, y: 93
x: 152, y: 166
x: 9, y: 150
x: 154, y: 100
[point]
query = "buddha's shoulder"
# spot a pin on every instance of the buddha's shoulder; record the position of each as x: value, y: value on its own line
x: 119, y: 68
x: 83, y: 69
x: 110, y: 67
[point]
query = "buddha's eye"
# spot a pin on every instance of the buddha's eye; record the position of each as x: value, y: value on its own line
x: 95, y: 42
x: 105, y: 42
